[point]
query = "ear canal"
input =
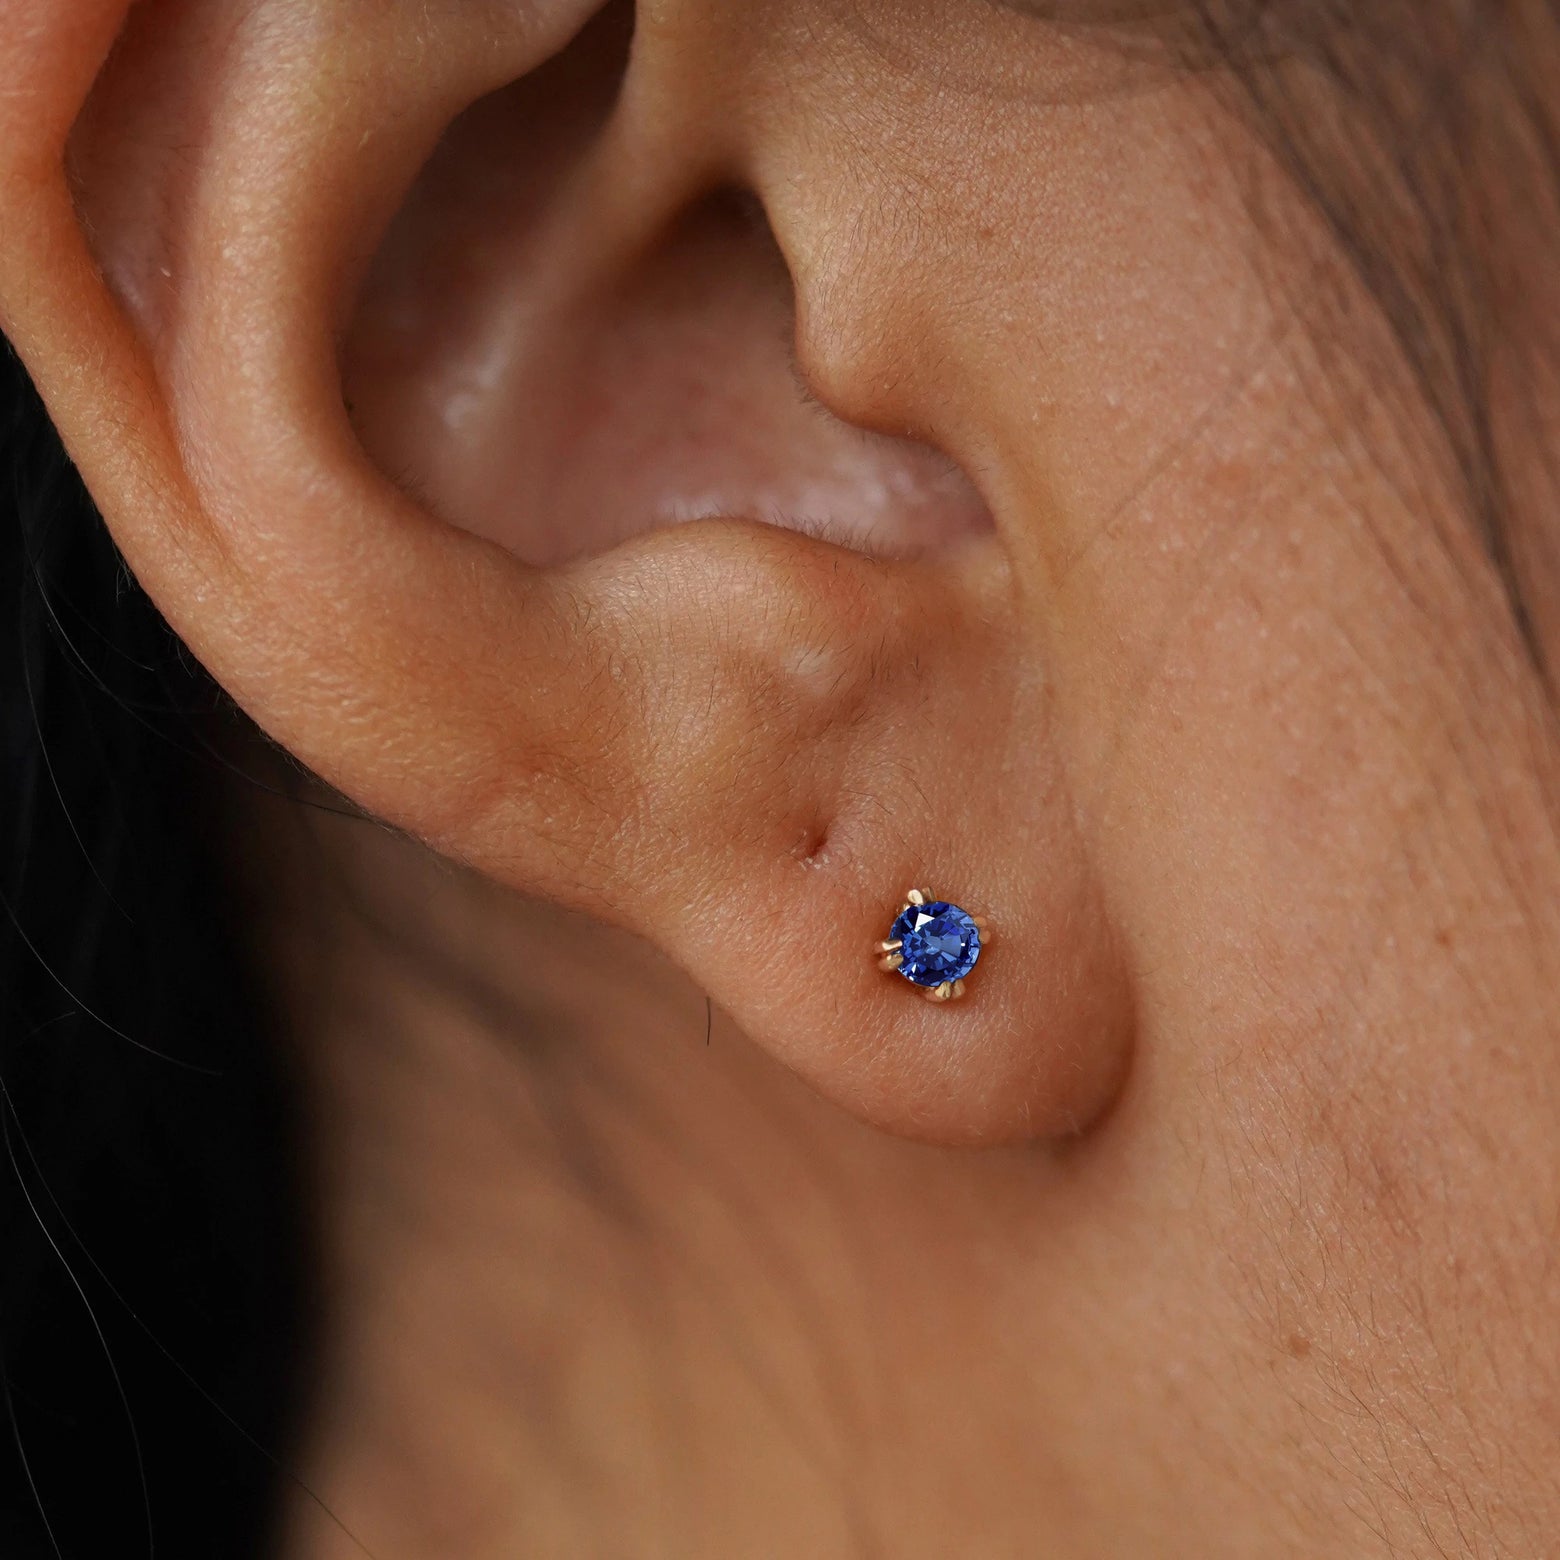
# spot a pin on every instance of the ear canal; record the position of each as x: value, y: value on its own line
x: 741, y: 740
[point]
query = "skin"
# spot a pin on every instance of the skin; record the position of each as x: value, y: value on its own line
x: 1029, y: 546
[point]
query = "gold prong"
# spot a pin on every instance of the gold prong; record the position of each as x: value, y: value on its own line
x: 958, y: 991
x: 941, y: 993
x: 980, y: 921
x: 892, y: 962
x: 890, y: 947
x: 915, y: 897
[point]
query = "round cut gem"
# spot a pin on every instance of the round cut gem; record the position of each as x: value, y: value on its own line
x: 940, y: 942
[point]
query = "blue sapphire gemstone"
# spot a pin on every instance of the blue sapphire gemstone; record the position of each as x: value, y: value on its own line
x: 940, y: 943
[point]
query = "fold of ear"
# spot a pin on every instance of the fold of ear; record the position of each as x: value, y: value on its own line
x: 519, y: 371
x: 743, y: 739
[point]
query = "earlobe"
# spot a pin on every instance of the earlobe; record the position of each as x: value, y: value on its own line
x: 742, y: 741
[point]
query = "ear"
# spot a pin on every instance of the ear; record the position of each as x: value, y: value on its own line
x: 744, y: 740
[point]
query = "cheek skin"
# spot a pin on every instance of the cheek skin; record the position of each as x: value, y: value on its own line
x: 1269, y: 673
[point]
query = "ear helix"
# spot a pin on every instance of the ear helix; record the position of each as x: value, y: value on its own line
x: 647, y: 735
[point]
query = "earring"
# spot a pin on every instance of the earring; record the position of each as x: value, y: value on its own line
x: 934, y: 945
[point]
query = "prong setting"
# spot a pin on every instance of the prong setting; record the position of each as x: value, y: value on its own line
x: 933, y: 944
